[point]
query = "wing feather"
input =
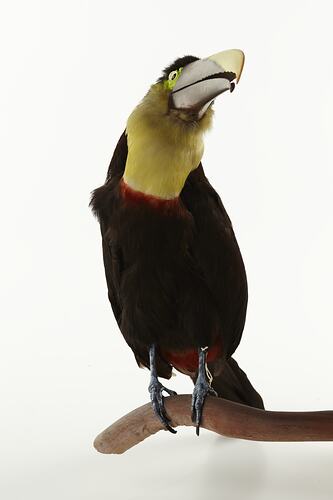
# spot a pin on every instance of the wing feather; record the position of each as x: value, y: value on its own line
x: 217, y: 256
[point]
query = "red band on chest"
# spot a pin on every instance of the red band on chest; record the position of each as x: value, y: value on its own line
x: 173, y: 205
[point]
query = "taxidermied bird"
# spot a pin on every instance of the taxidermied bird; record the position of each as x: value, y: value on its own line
x: 175, y: 275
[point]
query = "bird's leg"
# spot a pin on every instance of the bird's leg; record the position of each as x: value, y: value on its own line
x: 156, y: 389
x: 202, y: 387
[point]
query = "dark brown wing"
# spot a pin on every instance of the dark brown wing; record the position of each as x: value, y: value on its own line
x: 118, y: 160
x: 102, y: 205
x: 217, y: 256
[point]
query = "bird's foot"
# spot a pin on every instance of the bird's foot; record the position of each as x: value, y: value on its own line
x: 156, y: 395
x: 201, y: 389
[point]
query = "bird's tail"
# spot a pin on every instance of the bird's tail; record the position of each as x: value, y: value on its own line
x: 234, y: 385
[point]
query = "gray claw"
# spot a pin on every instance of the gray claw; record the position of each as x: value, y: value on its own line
x: 201, y: 389
x: 156, y: 395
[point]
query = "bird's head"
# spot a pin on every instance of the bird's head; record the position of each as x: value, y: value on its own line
x: 165, y: 131
x: 192, y: 84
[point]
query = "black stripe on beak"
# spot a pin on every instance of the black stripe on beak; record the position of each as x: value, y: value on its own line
x: 228, y: 75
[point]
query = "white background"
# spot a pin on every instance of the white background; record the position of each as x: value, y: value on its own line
x: 71, y: 72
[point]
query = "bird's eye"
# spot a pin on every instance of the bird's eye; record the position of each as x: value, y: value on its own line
x: 172, y: 79
x: 173, y: 75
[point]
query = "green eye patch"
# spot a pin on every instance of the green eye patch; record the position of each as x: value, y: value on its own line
x: 172, y: 79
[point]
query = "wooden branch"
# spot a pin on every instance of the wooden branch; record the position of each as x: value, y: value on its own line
x: 220, y: 416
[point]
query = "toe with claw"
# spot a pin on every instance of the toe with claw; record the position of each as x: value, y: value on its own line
x: 156, y: 392
x: 156, y: 395
x: 201, y: 389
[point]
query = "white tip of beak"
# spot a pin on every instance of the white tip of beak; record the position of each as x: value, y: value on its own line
x: 230, y: 60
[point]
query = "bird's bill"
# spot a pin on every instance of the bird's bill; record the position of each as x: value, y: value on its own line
x: 203, y: 80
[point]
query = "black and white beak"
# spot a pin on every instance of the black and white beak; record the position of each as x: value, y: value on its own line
x: 203, y: 80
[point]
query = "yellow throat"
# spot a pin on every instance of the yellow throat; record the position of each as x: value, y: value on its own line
x: 162, y: 148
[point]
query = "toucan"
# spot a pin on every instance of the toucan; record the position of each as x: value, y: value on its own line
x: 175, y: 275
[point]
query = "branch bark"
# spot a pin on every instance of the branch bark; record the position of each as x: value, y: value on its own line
x: 221, y: 416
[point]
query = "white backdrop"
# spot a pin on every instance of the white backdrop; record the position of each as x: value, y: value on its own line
x: 71, y: 72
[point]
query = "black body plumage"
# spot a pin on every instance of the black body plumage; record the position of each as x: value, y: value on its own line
x: 175, y: 278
